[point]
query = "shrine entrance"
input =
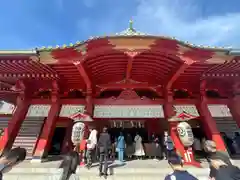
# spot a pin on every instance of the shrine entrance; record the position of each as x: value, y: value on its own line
x: 128, y: 127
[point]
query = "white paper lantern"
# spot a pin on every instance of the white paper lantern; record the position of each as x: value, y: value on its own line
x: 78, y: 131
x: 185, y: 134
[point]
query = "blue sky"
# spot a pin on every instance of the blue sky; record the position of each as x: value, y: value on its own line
x: 26, y: 24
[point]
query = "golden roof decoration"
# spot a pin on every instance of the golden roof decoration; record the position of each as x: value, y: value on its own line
x: 130, y: 31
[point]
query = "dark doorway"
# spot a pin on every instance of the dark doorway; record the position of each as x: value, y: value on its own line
x: 57, y: 141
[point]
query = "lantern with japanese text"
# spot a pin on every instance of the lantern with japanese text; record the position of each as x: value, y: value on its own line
x: 79, y: 128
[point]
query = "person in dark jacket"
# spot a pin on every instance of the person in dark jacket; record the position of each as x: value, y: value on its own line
x: 224, y: 171
x: 178, y: 172
x: 69, y: 165
x: 11, y: 159
x: 129, y: 146
x: 104, y: 146
x: 210, y: 150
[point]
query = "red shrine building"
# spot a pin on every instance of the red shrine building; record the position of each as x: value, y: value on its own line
x: 127, y: 80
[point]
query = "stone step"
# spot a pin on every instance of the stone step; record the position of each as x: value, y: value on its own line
x: 89, y: 177
x: 112, y: 170
x: 116, y: 173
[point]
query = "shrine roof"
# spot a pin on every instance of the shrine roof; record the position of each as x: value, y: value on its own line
x: 130, y: 32
x: 113, y: 61
x: 16, y: 52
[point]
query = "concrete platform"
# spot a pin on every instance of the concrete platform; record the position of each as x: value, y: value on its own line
x: 137, y: 170
x: 131, y: 170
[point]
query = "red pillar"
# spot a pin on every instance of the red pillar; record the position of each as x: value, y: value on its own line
x: 234, y: 107
x: 185, y: 153
x: 14, y: 123
x: 234, y: 104
x: 169, y: 112
x: 45, y: 138
x: 209, y: 122
x: 89, y: 102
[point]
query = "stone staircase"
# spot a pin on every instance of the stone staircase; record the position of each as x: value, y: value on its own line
x: 28, y: 134
x: 132, y: 170
x: 4, y: 122
x: 227, y: 125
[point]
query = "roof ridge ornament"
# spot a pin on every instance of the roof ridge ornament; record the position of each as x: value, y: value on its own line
x: 131, y: 25
x: 130, y: 31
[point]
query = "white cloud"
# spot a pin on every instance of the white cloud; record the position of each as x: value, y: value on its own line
x: 182, y: 19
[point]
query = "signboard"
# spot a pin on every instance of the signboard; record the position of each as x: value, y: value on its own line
x: 38, y: 110
x: 219, y: 110
x: 6, y: 108
x: 187, y: 108
x: 127, y: 111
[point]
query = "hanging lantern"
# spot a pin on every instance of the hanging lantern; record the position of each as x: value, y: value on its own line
x: 78, y: 131
x: 185, y: 134
x: 79, y: 128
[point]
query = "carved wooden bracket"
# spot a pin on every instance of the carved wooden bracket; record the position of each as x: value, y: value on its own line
x: 128, y: 95
x: 132, y: 54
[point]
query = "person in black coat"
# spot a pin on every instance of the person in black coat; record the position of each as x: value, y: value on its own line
x: 104, y: 147
x: 224, y: 171
x: 69, y: 165
x: 11, y: 159
x: 211, y: 151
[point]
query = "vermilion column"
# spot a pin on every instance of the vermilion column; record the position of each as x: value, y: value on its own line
x: 45, y: 139
x: 169, y: 112
x: 14, y: 123
x: 186, y: 153
x: 209, y: 122
x: 89, y: 102
x: 234, y: 104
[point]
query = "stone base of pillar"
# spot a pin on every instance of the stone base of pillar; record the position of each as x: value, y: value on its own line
x: 82, y: 163
x: 36, y: 160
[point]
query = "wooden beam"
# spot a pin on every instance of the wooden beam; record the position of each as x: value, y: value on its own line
x: 83, y: 74
x: 131, y: 55
x: 6, y: 84
x: 126, y: 86
x: 186, y: 63
x: 129, y: 69
x: 8, y: 92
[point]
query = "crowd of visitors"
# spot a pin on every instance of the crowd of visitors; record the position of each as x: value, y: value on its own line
x: 101, y: 146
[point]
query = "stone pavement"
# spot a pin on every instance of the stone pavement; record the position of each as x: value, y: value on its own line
x: 131, y: 170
